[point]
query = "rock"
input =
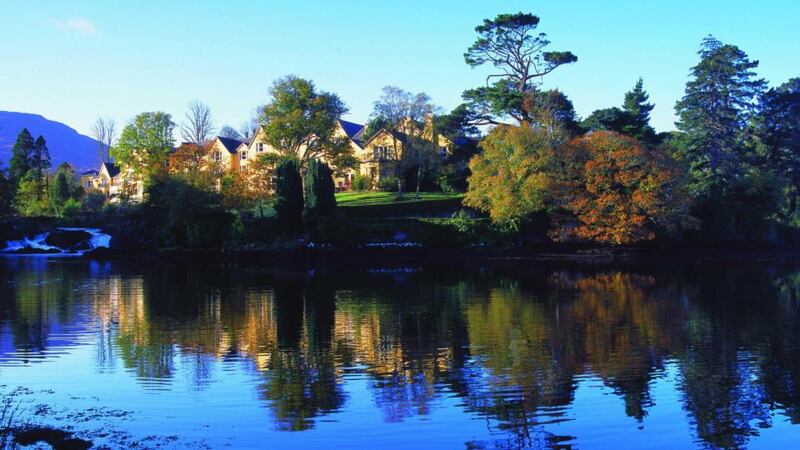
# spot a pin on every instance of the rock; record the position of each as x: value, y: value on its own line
x: 33, y: 251
x: 100, y: 253
x: 69, y: 240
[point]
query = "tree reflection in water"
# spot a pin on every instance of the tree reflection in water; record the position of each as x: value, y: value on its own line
x: 513, y: 346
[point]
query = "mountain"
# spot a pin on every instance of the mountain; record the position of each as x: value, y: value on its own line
x: 64, y: 143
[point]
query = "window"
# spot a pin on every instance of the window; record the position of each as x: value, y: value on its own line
x: 259, y: 147
x: 381, y: 152
x: 217, y: 156
x: 244, y: 154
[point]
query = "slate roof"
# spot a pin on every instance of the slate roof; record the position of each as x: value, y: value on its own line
x: 353, y: 130
x: 112, y: 169
x: 230, y: 144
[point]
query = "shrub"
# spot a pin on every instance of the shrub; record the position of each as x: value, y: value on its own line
x: 388, y: 184
x: 361, y: 183
x: 70, y: 208
x: 289, y: 195
x: 320, y: 200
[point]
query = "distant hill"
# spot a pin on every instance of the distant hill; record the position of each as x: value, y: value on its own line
x: 64, y: 143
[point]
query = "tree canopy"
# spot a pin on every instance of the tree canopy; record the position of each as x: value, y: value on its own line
x: 145, y: 143
x: 300, y: 122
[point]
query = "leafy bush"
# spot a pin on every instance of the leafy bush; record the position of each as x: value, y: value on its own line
x: 361, y: 183
x: 71, y: 208
x: 320, y: 199
x: 388, y: 184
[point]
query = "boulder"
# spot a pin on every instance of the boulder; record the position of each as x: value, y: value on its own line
x: 69, y: 240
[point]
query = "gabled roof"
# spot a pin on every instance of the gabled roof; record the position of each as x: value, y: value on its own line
x: 230, y: 144
x: 92, y: 172
x: 351, y: 129
x: 402, y: 137
x: 112, y: 169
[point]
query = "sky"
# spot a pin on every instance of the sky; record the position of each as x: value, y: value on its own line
x: 73, y: 61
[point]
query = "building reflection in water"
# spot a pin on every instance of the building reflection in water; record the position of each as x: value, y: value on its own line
x: 513, y: 347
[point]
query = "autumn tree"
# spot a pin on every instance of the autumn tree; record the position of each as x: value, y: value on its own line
x: 617, y: 190
x: 145, y: 143
x: 190, y: 161
x: 510, y: 44
x: 511, y: 177
x: 198, y: 126
x: 300, y: 122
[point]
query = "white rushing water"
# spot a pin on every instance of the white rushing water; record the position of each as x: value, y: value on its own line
x: 98, y: 239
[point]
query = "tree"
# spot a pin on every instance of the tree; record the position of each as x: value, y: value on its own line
x: 320, y: 200
x: 261, y: 173
x: 638, y: 109
x: 104, y: 131
x: 511, y: 177
x: 40, y: 163
x: 61, y: 191
x: 198, y: 126
x: 190, y: 162
x: 400, y: 113
x: 717, y: 104
x: 300, y: 123
x: 618, y: 191
x: 633, y: 119
x: 778, y: 131
x: 6, y: 194
x: 289, y: 195
x: 509, y: 44
x: 145, y: 143
x: 229, y: 132
x: 21, y: 155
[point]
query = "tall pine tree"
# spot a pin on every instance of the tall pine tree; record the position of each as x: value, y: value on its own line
x: 320, y: 197
x: 289, y: 195
x: 21, y: 158
x: 718, y: 101
x: 40, y: 163
x: 637, y: 107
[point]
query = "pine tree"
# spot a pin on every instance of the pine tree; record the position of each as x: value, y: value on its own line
x: 718, y: 102
x: 320, y: 197
x: 289, y: 195
x: 40, y: 163
x: 638, y: 109
x: 21, y: 154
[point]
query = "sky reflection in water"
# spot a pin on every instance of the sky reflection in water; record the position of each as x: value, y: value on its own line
x: 704, y: 356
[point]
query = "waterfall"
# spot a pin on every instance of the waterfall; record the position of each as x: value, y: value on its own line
x: 30, y: 245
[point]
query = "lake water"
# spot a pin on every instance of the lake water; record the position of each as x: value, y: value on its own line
x: 173, y: 356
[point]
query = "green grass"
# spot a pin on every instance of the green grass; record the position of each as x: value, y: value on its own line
x: 347, y: 199
x: 386, y: 204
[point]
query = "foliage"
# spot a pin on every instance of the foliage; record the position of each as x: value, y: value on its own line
x: 28, y: 200
x: 6, y: 194
x: 389, y: 184
x: 64, y: 190
x: 21, y: 155
x: 145, y: 144
x: 511, y: 177
x: 300, y: 122
x: 289, y: 195
x: 191, y: 162
x: 70, y: 208
x: 510, y: 44
x: 235, y: 190
x: 777, y: 130
x: 40, y: 160
x: 186, y: 216
x: 320, y: 200
x: 618, y: 191
x: 94, y: 201
x: 361, y: 183
x: 717, y: 104
x: 633, y: 119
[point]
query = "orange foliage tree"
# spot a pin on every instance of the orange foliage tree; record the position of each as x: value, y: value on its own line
x: 617, y: 191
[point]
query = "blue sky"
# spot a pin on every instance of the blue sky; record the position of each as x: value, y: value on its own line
x: 72, y: 61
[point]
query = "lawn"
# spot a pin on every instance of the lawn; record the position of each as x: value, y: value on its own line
x: 386, y: 204
x: 371, y: 198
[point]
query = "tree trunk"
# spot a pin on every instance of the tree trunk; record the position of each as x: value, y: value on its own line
x: 419, y: 177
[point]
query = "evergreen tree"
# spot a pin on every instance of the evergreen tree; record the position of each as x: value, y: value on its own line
x: 637, y: 109
x: 21, y: 154
x: 6, y: 194
x: 320, y: 197
x: 289, y: 195
x: 718, y: 102
x: 40, y: 164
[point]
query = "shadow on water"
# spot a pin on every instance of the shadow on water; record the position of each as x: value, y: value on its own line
x: 512, y: 345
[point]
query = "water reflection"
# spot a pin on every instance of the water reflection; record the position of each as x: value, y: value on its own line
x: 513, y: 348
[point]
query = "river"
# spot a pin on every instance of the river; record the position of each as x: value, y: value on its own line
x: 174, y: 356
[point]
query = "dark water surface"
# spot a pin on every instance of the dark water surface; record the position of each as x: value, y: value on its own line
x: 177, y: 356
